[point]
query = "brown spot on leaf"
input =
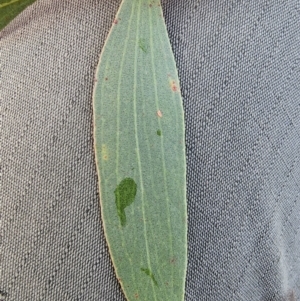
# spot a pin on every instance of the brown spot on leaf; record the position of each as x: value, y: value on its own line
x: 106, y: 78
x: 116, y: 21
x: 159, y: 114
x: 173, y: 260
x: 174, y: 86
x: 136, y: 295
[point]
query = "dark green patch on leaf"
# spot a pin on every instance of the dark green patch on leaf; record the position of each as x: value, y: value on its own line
x: 143, y: 45
x: 158, y: 132
x: 148, y: 273
x: 125, y: 194
x: 9, y: 9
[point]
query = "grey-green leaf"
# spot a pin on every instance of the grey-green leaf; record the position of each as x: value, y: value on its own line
x: 140, y: 154
x: 9, y: 9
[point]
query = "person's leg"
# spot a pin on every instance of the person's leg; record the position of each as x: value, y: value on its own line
x: 238, y: 63
x: 53, y: 245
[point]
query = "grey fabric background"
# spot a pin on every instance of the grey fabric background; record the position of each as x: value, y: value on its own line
x: 239, y: 65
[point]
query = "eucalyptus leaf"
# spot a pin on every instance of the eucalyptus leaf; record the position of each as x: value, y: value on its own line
x: 140, y: 154
x: 9, y: 9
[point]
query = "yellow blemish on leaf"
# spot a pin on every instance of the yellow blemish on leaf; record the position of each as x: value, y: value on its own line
x: 104, y: 152
x: 159, y: 114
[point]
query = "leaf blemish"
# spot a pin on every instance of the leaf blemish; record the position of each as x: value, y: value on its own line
x: 148, y: 273
x: 173, y: 260
x: 159, y: 114
x: 125, y: 194
x: 106, y: 78
x: 174, y: 86
x: 104, y: 152
x: 116, y: 21
x: 143, y: 45
x: 158, y: 132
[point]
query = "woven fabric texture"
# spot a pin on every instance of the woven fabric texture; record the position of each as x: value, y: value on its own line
x: 239, y: 67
